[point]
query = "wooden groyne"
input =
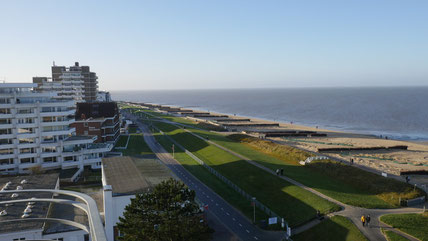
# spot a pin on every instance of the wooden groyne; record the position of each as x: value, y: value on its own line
x: 376, y: 148
x: 233, y: 120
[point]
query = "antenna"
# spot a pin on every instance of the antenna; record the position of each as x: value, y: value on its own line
x: 54, y: 63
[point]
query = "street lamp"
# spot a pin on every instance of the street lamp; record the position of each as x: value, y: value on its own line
x: 253, y: 202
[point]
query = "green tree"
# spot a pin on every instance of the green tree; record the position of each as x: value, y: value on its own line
x: 168, y: 213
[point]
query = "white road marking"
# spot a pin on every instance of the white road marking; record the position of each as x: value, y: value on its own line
x: 233, y: 219
x: 247, y: 230
x: 240, y: 225
x: 227, y: 214
x: 256, y: 238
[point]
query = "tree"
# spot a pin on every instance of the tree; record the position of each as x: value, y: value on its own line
x: 168, y: 213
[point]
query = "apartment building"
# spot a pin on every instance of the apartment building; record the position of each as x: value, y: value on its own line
x: 74, y: 82
x: 35, y: 132
x: 101, y: 119
x: 70, y: 88
x: 76, y: 72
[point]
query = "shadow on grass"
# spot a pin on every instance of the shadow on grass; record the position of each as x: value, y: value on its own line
x: 337, y: 228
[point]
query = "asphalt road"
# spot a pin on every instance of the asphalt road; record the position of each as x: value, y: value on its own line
x: 231, y: 218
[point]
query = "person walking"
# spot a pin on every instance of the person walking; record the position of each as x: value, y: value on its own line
x: 277, y: 172
x: 363, y: 220
x: 282, y: 171
x: 368, y: 220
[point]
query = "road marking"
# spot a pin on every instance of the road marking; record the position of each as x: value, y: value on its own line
x: 240, y: 225
x: 216, y: 204
x: 247, y: 230
x: 233, y: 219
x: 212, y: 200
x: 227, y: 214
x: 256, y: 238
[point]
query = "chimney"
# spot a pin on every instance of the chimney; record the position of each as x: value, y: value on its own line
x: 76, y: 64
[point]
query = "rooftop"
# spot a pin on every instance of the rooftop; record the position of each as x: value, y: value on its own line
x: 15, y: 211
x: 17, y: 85
x: 130, y: 175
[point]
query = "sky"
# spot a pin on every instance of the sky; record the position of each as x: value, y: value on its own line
x: 143, y: 45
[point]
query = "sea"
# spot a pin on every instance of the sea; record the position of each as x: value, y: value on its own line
x: 397, y: 112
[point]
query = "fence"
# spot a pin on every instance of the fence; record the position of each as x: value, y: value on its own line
x: 225, y: 180
x: 416, y: 201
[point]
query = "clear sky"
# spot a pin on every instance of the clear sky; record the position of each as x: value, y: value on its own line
x: 182, y: 44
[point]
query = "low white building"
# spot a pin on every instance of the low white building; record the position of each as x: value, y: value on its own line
x: 122, y: 180
x: 15, y: 220
x: 35, y: 132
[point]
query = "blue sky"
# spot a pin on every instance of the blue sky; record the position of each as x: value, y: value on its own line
x: 219, y: 44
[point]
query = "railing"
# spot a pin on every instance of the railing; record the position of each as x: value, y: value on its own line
x: 225, y: 180
x: 95, y: 229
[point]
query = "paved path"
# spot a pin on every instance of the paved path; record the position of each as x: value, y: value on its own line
x: 237, y: 223
x: 353, y: 213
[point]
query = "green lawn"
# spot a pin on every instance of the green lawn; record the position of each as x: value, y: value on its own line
x: 391, y: 236
x: 217, y: 185
x: 413, y: 224
x: 337, y: 228
x: 344, y: 183
x: 295, y: 204
x: 136, y: 146
x: 122, y: 141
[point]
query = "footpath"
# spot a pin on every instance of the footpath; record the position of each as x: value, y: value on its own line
x: 373, y: 232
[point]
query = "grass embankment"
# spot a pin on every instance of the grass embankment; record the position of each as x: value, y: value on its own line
x: 295, y: 204
x: 136, y: 146
x: 413, y: 224
x: 391, y: 236
x: 213, y: 182
x: 181, y: 120
x: 342, y: 182
x: 337, y: 228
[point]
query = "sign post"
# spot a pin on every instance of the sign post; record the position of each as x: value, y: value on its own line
x: 173, y: 156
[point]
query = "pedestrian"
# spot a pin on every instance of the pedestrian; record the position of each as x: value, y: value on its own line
x: 407, y: 179
x: 282, y: 171
x: 352, y: 161
x: 277, y: 172
x: 368, y: 220
x: 363, y: 220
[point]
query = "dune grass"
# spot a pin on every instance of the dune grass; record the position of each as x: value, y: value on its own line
x: 295, y: 204
x: 342, y: 182
x: 337, y: 228
x: 412, y: 223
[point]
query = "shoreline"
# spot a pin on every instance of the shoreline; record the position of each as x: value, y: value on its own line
x: 415, y: 158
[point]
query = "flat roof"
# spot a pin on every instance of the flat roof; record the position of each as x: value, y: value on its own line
x: 15, y: 211
x: 131, y: 175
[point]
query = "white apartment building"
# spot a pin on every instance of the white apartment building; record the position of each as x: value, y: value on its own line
x: 70, y: 87
x: 35, y: 132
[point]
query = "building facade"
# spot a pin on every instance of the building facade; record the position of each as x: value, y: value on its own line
x: 101, y: 119
x: 35, y: 132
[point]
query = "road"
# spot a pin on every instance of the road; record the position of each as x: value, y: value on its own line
x: 235, y: 221
x: 353, y: 213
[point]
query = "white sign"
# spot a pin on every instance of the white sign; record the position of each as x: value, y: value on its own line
x: 384, y: 174
x: 273, y: 220
x: 288, y: 231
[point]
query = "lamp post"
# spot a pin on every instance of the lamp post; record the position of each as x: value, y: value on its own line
x: 253, y: 202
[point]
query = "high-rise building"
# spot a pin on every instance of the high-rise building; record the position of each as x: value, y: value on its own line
x: 75, y: 73
x: 35, y: 132
x: 74, y: 82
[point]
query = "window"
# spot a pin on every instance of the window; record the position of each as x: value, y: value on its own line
x: 5, y: 131
x: 28, y: 160
x: 27, y: 150
x: 25, y: 111
x: 16, y: 239
x: 85, y: 133
x: 49, y: 159
x: 4, y: 111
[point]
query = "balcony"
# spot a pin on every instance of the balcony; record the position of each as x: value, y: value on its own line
x: 58, y: 113
x: 25, y: 115
x: 51, y: 164
x: 57, y: 123
x: 27, y: 145
x: 49, y: 154
x: 6, y: 136
x: 7, y: 146
x: 7, y: 156
x: 26, y: 125
x: 26, y: 135
x: 59, y: 132
x: 6, y: 126
x: 27, y: 155
x: 68, y: 164
x: 6, y: 116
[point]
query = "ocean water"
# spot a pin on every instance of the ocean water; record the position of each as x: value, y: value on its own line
x: 398, y: 112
